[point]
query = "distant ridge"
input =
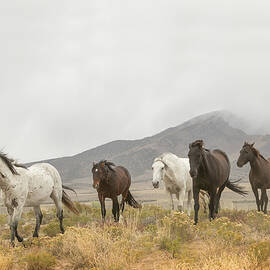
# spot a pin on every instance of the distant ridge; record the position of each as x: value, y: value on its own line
x: 218, y: 129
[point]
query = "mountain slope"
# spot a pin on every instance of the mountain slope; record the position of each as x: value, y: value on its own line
x: 137, y: 155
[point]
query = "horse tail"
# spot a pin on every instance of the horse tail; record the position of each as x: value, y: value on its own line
x: 234, y: 187
x: 131, y: 201
x: 68, y: 188
x: 68, y: 202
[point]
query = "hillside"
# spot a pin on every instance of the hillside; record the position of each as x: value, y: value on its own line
x: 217, y: 129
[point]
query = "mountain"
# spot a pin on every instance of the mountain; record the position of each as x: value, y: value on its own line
x: 217, y: 129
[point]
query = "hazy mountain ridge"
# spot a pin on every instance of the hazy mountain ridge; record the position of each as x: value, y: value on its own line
x: 137, y: 155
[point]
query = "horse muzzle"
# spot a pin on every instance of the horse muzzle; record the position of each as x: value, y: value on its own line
x: 193, y: 173
x: 240, y: 164
x: 156, y: 184
x: 95, y: 186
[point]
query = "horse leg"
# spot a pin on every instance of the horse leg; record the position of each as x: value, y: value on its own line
x: 102, y: 204
x: 17, y: 212
x: 124, y: 197
x: 171, y: 198
x: 39, y: 218
x: 115, y: 209
x: 218, y: 197
x: 255, y: 191
x: 181, y: 196
x: 196, y: 191
x: 212, y: 205
x: 189, y: 202
x: 59, y: 209
x: 202, y: 200
x: 265, y: 199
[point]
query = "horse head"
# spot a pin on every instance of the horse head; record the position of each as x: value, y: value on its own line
x: 158, y: 167
x: 195, y: 157
x: 101, y: 172
x: 247, y: 153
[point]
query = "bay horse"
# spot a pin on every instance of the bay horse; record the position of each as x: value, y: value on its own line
x: 259, y: 175
x: 210, y: 171
x: 31, y: 187
x: 111, y: 181
x: 174, y: 172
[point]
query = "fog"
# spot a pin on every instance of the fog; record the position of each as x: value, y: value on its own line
x: 75, y: 75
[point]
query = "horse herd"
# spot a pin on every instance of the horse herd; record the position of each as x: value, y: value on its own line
x: 203, y: 172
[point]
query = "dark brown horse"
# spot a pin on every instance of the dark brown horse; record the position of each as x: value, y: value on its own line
x: 110, y: 182
x: 210, y: 171
x: 259, y: 175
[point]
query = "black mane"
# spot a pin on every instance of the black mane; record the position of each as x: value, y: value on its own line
x: 106, y: 163
x: 109, y: 164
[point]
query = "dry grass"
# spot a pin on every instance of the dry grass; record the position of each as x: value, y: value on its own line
x: 154, y: 238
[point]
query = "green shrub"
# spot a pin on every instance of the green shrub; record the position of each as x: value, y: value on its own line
x: 172, y: 246
x: 52, y: 229
x: 41, y: 260
x: 179, y: 226
x: 261, y: 251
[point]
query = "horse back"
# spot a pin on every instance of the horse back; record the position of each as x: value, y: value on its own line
x: 121, y: 179
x: 219, y: 165
x: 260, y: 176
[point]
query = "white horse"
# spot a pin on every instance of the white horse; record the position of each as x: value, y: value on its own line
x: 31, y: 187
x: 174, y: 171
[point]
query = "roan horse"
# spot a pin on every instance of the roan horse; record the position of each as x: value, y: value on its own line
x: 210, y: 171
x: 31, y: 186
x: 259, y: 175
x: 110, y: 182
x: 174, y: 172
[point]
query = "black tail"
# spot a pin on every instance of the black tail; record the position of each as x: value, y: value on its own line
x: 232, y: 186
x: 132, y: 202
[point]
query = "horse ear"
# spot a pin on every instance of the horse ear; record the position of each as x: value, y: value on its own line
x: 189, y: 146
x: 201, y: 144
x: 94, y: 164
x: 252, y: 144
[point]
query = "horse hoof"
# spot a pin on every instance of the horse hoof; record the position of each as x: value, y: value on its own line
x: 20, y: 239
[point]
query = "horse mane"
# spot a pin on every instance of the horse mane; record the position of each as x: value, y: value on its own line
x: 254, y: 150
x: 10, y: 163
x: 108, y: 164
x: 199, y: 143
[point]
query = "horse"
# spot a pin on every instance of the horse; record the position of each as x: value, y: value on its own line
x: 210, y: 171
x: 174, y: 171
x: 111, y: 181
x: 31, y: 187
x: 259, y: 175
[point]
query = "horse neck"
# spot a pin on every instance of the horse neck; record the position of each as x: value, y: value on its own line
x: 256, y: 163
x: 204, y: 164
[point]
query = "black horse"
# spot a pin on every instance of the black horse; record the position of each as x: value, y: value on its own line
x: 210, y: 171
x: 111, y: 181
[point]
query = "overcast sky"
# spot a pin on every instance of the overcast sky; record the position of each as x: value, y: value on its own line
x: 77, y: 74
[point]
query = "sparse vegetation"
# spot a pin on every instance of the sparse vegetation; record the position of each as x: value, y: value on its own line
x: 153, y: 238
